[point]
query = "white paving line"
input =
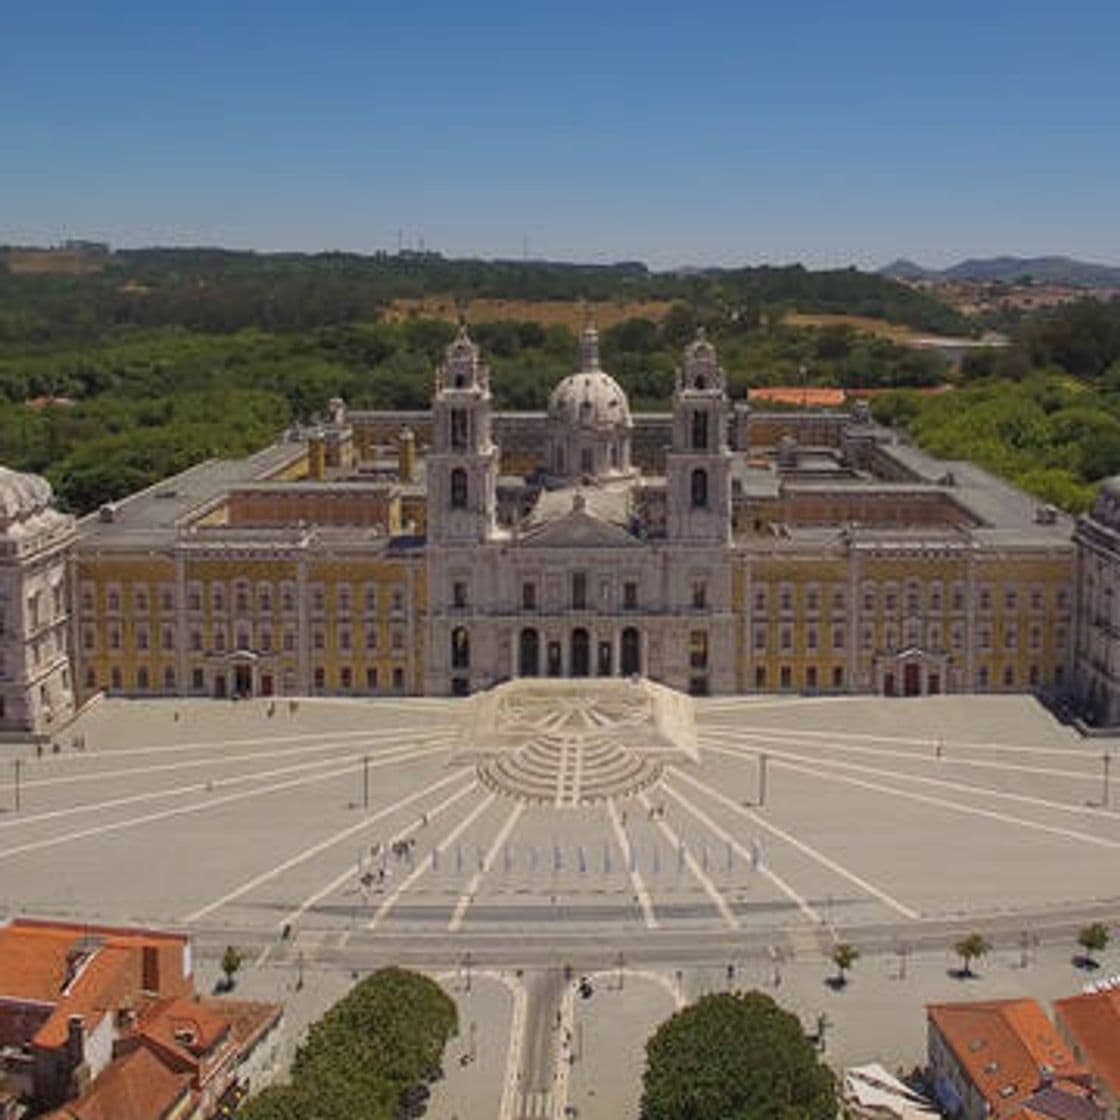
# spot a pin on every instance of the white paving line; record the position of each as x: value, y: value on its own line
x: 710, y: 888
x: 800, y: 901
x: 928, y: 742
x: 800, y: 845
x: 184, y: 810
x: 944, y: 783
x: 341, y: 879
x: 926, y: 758
x: 635, y: 875
x: 315, y: 849
x: 467, y: 896
x: 422, y: 865
x: 943, y: 803
x: 94, y: 753
x: 400, y: 754
x: 256, y: 756
x: 519, y: 998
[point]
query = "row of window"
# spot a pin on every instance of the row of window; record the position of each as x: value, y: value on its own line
x: 910, y: 634
x: 242, y: 599
x: 815, y: 677
x: 144, y: 680
x: 578, y: 594
x: 910, y: 598
x: 345, y: 639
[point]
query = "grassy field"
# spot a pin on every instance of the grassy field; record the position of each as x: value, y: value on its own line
x: 549, y: 313
x: 879, y: 327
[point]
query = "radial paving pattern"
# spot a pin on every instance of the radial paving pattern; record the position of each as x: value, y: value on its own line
x: 346, y: 819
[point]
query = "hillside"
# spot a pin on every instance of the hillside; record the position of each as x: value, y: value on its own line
x: 1010, y: 270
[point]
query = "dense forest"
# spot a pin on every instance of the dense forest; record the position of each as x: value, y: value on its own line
x: 1045, y: 412
x: 165, y: 357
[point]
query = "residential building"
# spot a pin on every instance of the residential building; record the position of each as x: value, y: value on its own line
x: 99, y: 1021
x: 1090, y: 1025
x: 1004, y: 1058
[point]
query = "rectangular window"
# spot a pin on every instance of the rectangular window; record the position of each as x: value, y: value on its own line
x: 760, y: 676
x: 398, y: 680
x: 346, y: 677
x: 630, y: 595
x: 371, y: 679
x: 837, y: 676
x: 579, y: 591
x: 759, y: 638
x: 838, y: 637
x: 698, y: 649
x: 198, y: 682
x: 528, y: 596
x: 320, y: 677
x: 459, y: 594
x: 786, y: 677
x: 699, y: 594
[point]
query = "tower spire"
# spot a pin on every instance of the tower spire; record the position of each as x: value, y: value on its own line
x: 588, y: 342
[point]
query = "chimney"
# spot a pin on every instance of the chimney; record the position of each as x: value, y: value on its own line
x: 75, y: 1040
x: 406, y: 456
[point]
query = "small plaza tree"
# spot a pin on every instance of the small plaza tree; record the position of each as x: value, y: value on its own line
x: 232, y: 960
x: 843, y: 956
x: 971, y: 948
x: 1093, y: 939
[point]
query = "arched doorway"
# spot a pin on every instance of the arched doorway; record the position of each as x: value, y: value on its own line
x: 529, y: 653
x: 581, y: 653
x: 631, y: 651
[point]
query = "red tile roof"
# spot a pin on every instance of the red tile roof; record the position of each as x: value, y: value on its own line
x: 136, y: 1087
x: 1007, y: 1048
x: 1092, y: 1021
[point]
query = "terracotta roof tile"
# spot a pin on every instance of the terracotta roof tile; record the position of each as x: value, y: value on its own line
x: 136, y: 1087
x: 1006, y: 1047
x: 1092, y: 1021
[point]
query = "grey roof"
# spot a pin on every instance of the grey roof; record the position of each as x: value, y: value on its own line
x: 152, y: 516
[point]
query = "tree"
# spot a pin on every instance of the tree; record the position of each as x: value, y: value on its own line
x: 735, y: 1056
x: 969, y: 949
x: 1093, y: 939
x: 843, y: 956
x: 232, y: 959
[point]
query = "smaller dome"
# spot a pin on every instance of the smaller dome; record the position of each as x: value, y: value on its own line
x: 590, y: 399
x: 22, y: 495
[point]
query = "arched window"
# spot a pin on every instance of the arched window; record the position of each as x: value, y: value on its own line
x: 460, y: 648
x: 699, y: 488
x: 529, y: 653
x: 458, y: 488
x: 699, y: 430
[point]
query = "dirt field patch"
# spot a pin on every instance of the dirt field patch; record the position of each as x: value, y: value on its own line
x: 549, y: 313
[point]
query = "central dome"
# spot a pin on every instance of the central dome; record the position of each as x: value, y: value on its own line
x: 589, y: 398
x: 589, y: 421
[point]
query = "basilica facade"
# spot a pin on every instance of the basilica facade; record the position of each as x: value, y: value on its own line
x: 711, y: 548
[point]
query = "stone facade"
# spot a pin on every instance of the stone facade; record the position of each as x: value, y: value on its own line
x: 713, y: 548
x: 36, y: 689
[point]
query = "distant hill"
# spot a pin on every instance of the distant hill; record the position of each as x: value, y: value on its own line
x: 1008, y: 270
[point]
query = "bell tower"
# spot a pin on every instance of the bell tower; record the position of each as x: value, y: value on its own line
x: 463, y: 463
x: 698, y: 466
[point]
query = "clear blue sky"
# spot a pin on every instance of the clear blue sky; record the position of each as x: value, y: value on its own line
x: 684, y: 133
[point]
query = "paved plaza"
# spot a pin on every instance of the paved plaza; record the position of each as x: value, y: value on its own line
x: 330, y: 836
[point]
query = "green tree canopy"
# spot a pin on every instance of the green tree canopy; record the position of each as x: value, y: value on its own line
x: 735, y: 1057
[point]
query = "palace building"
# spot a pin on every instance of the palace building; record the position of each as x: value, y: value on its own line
x: 713, y: 548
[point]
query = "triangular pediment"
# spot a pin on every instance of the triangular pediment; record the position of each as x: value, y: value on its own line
x: 579, y: 529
